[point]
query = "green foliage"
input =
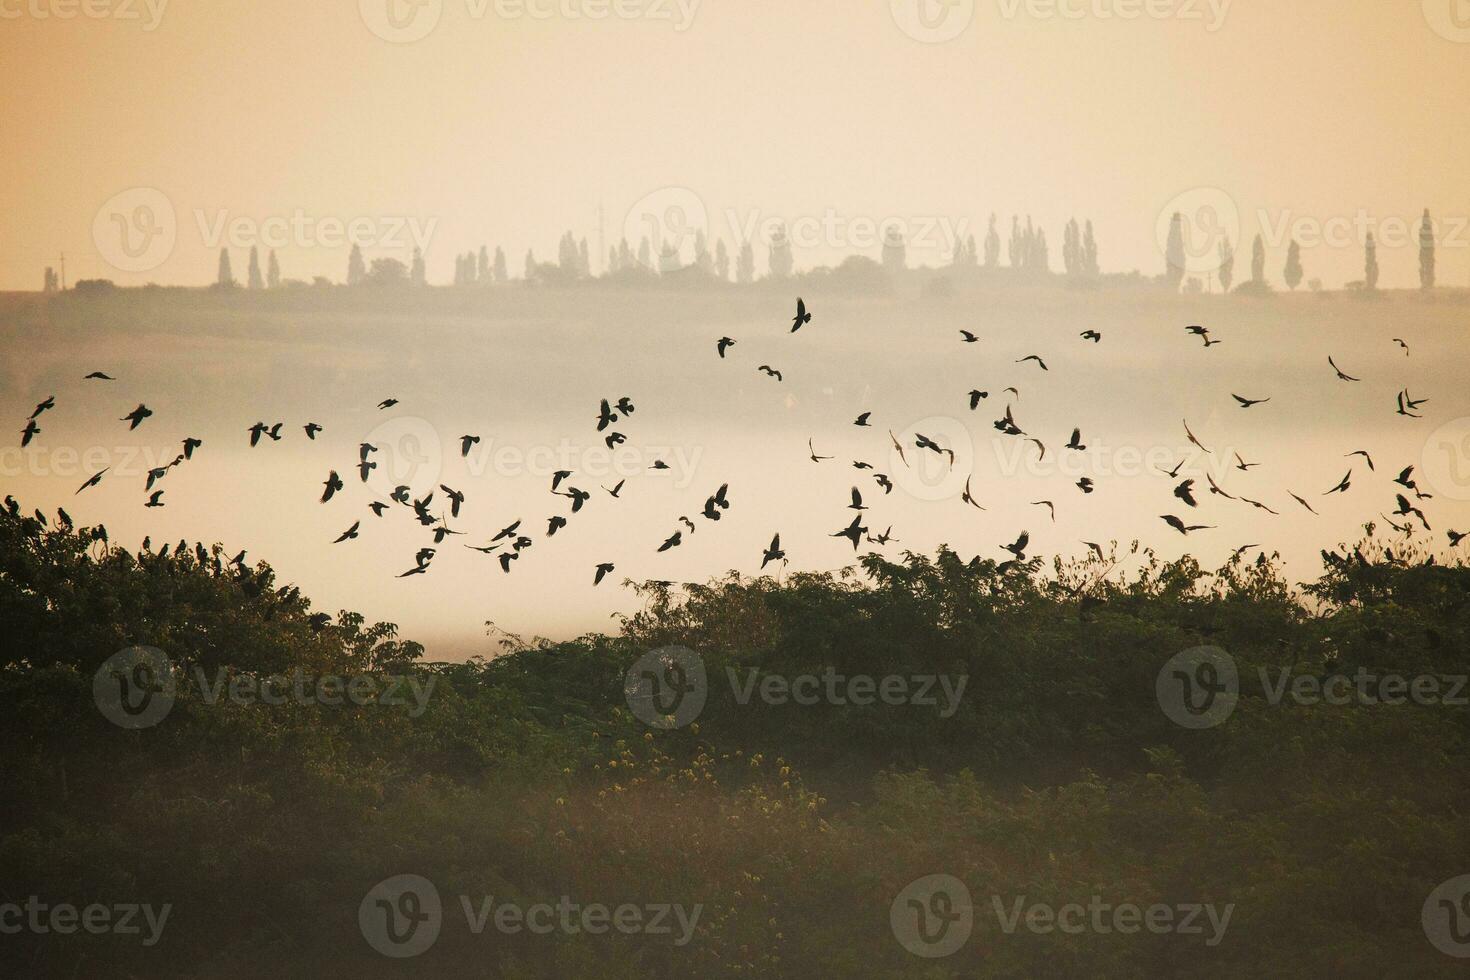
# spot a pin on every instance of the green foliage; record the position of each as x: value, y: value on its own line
x: 527, y: 777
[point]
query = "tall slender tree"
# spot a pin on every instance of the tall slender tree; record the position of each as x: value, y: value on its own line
x: 1089, y: 252
x: 273, y: 272
x: 1426, y: 252
x: 225, y: 276
x: 1370, y: 263
x: 254, y: 280
x: 992, y: 245
x: 1293, y: 272
x: 356, y: 268
x: 1226, y: 251
x: 1258, y: 261
x: 498, y: 267
x: 1174, y: 257
x: 416, y: 273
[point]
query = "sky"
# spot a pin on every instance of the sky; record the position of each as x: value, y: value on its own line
x: 143, y: 137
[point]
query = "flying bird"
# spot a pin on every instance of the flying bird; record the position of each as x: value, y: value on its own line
x: 28, y: 433
x: 773, y: 553
x: 968, y: 337
x: 99, y: 376
x: 1076, y: 441
x: 50, y: 402
x: 1033, y: 357
x: 975, y: 398
x: 387, y: 403
x: 1019, y: 548
x: 1192, y: 437
x: 1342, y: 485
x: 724, y: 344
x: 1181, y: 527
x: 1249, y: 402
x: 93, y: 480
x: 1184, y: 492
x: 815, y: 457
x: 1340, y: 375
x: 1366, y: 457
x: 1300, y: 501
x: 348, y: 534
x: 136, y: 416
x: 311, y: 430
x: 802, y: 316
x: 1091, y: 335
x: 155, y: 499
x: 768, y: 370
x: 862, y: 420
x: 602, y: 569
x: 333, y: 483
x: 853, y: 532
x: 466, y: 442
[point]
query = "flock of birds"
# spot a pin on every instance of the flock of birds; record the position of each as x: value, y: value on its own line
x: 511, y: 541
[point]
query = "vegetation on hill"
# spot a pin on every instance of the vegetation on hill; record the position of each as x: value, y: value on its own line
x: 792, y: 827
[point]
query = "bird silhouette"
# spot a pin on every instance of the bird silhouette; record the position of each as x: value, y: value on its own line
x: 28, y: 433
x: 1019, y: 548
x: 774, y: 552
x: 672, y: 541
x: 387, y: 403
x: 601, y: 573
x: 136, y: 416
x: 1363, y: 453
x: 332, y: 484
x: 1033, y: 357
x: 767, y: 369
x: 1193, y: 439
x: 1340, y: 375
x: 1249, y: 402
x: 1300, y: 501
x: 1342, y: 485
x: 98, y: 376
x: 1091, y: 335
x: 862, y: 420
x: 311, y: 429
x: 724, y: 344
x: 1184, y: 492
x: 802, y: 316
x: 968, y: 337
x: 1183, y: 528
x: 815, y: 457
x: 155, y: 499
x: 853, y: 532
x: 466, y: 443
x: 857, y: 500
x: 349, y: 534
x: 977, y: 396
x: 50, y: 402
x: 93, y: 480
x: 1076, y: 441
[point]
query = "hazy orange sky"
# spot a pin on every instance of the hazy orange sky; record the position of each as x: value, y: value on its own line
x: 510, y: 121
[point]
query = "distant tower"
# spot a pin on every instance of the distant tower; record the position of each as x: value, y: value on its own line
x: 63, y: 272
